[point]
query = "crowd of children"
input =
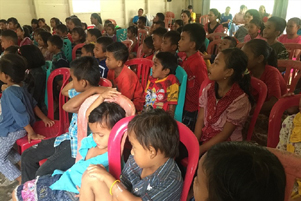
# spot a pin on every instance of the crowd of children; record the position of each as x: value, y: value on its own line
x: 218, y: 102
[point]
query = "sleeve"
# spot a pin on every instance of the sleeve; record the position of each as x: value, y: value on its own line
x: 238, y: 112
x: 125, y: 174
x: 199, y: 69
x: 173, y: 91
x: 86, y: 144
x: 203, y: 97
x: 72, y: 93
x: 230, y: 16
x: 285, y: 132
x: 273, y: 84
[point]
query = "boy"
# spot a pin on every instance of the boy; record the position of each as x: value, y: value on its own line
x: 141, y: 22
x: 124, y: 79
x: 273, y: 29
x: 162, y: 89
x: 87, y: 50
x: 192, y: 38
x: 148, y: 48
x: 158, y: 38
x: 3, y: 25
x: 100, y: 54
x: 150, y: 172
x: 170, y: 42
x: 111, y: 32
x: 9, y: 38
x: 61, y: 31
x: 12, y: 23
x: 159, y: 17
x: 93, y: 35
x: 61, y: 151
x: 55, y: 45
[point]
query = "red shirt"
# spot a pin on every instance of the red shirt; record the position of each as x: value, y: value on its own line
x: 128, y: 84
x: 218, y: 29
x: 196, y: 70
x: 70, y: 37
x: 150, y: 57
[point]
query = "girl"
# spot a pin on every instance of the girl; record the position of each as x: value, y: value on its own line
x: 53, y: 23
x: 97, y: 21
x: 132, y: 35
x: 213, y: 26
x: 291, y: 36
x: 34, y: 24
x: 18, y: 114
x: 185, y: 16
x: 254, y: 30
x: 43, y: 25
x: 23, y: 35
x: 42, y: 43
x: 74, y: 22
x: 226, y: 103
x: 78, y: 36
x: 177, y: 25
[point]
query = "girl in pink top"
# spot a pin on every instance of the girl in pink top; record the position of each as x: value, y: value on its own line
x: 23, y: 35
x: 292, y: 27
x: 224, y: 104
x: 254, y: 30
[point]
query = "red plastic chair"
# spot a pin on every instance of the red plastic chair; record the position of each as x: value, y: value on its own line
x: 113, y: 21
x: 292, y: 72
x: 292, y: 168
x: 294, y: 49
x: 216, y: 36
x: 275, y: 118
x: 169, y: 14
x: 128, y: 44
x: 204, y: 19
x: 140, y: 51
x: 105, y: 82
x: 262, y: 91
x: 186, y: 137
x: 213, y: 46
x: 168, y: 22
x: 0, y: 95
x: 61, y: 125
x: 143, y: 69
x: 240, y: 45
x: 76, y: 48
x: 142, y: 33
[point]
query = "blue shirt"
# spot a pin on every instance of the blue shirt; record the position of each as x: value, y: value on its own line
x: 164, y: 184
x: 103, y: 68
x: 226, y: 18
x: 17, y: 110
x: 73, y: 176
x: 72, y: 134
x: 135, y: 19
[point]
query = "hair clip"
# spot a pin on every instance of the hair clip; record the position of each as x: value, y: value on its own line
x: 19, y: 52
x: 247, y: 72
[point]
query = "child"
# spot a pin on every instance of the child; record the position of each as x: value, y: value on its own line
x: 124, y: 79
x: 87, y: 49
x: 150, y: 172
x: 54, y: 22
x: 84, y: 26
x: 35, y: 36
x: 18, y: 110
x: 254, y: 30
x: 141, y: 22
x: 162, y: 89
x: 92, y: 36
x: 100, y: 54
x: 224, y: 104
x: 273, y: 29
x: 132, y: 35
x: 61, y: 151
x: 213, y: 26
x: 3, y: 24
x: 23, y: 35
x: 55, y: 45
x: 78, y: 36
x: 159, y: 17
x: 12, y: 23
x: 104, y: 31
x: 8, y: 38
x: 62, y: 31
x: 158, y: 38
x: 192, y: 38
x: 94, y: 150
x: 43, y: 25
x: 12, y: 49
x: 177, y: 25
x: 74, y: 22
x: 232, y: 165
x: 291, y: 36
x: 110, y: 32
x: 185, y: 16
x: 148, y: 48
x: 34, y: 24
x: 97, y: 21
x: 170, y: 42
x: 43, y: 45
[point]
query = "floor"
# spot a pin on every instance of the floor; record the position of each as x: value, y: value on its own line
x: 6, y: 188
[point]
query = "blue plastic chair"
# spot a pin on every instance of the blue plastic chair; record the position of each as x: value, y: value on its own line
x: 182, y: 77
x: 67, y: 48
x: 121, y: 34
x: 47, y: 68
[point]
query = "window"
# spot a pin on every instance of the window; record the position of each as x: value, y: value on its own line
x: 293, y: 9
x: 86, y: 6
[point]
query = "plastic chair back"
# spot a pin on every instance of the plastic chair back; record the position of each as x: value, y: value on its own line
x: 262, y: 91
x: 275, y: 118
x: 292, y: 167
x: 294, y: 49
x: 292, y: 73
x: 142, y: 33
x: 47, y: 68
x: 82, y: 120
x: 216, y: 36
x: 240, y: 45
x: 113, y: 21
x: 213, y: 46
x: 121, y: 34
x: 105, y: 82
x: 67, y: 48
x: 75, y: 49
x: 169, y: 14
x: 204, y: 19
x: 182, y: 77
x: 143, y: 69
x: 186, y: 137
x: 128, y: 44
x: 140, y: 51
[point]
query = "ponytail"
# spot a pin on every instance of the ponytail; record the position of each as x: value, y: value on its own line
x: 245, y: 85
x: 216, y: 13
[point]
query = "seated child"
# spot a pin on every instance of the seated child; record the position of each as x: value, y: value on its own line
x: 43, y: 45
x: 150, y: 173
x: 93, y: 35
x: 12, y: 23
x: 87, y: 50
x: 158, y: 38
x: 94, y: 150
x: 13, y: 50
x: 78, y: 37
x: 55, y: 45
x: 132, y: 35
x: 273, y: 29
x: 224, y: 104
x: 253, y: 171
x: 54, y: 22
x: 192, y: 38
x: 124, y: 79
x: 111, y: 32
x: 141, y: 22
x: 35, y: 36
x: 17, y: 116
x: 23, y: 35
x: 170, y: 42
x: 62, y: 31
x: 8, y: 38
x: 254, y: 30
x: 148, y: 48
x: 178, y: 25
x: 3, y: 24
x: 100, y: 54
x: 162, y: 89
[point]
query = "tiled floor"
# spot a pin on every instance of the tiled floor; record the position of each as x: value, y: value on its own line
x: 6, y: 188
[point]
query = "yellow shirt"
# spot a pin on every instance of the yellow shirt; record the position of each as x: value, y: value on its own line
x: 193, y: 16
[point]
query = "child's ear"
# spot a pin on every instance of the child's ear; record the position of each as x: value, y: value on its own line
x: 174, y: 47
x: 119, y: 63
x: 260, y: 59
x: 166, y: 71
x: 193, y: 44
x: 84, y: 83
x: 229, y: 72
x: 152, y: 152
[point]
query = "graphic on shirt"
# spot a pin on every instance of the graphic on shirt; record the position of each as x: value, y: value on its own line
x: 154, y: 97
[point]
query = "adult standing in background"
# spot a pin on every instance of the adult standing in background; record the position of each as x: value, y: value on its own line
x: 97, y: 21
x: 263, y: 14
x: 136, y: 18
x: 226, y: 17
x: 238, y: 19
x: 192, y: 14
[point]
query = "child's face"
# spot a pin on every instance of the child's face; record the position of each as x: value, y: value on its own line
x: 200, y: 189
x: 146, y: 50
x: 252, y: 60
x: 184, y: 44
x: 75, y: 37
x: 157, y: 71
x: 51, y: 48
x: 4, y: 78
x: 111, y: 62
x: 110, y: 31
x: 270, y: 31
x: 78, y: 85
x: 157, y: 40
x: 5, y: 43
x: 34, y: 26
x: 98, y: 52
x: 85, y: 53
x: 184, y: 18
x: 71, y: 25
x: 166, y: 46
x: 60, y: 33
x: 248, y: 18
x: 140, y: 24
x: 52, y: 23
x: 252, y: 29
x: 90, y: 38
x: 11, y: 26
x: 212, y: 16
x: 130, y: 34
x: 41, y: 23
x: 217, y: 71
x: 40, y: 41
x: 291, y: 27
x: 225, y: 44
x: 2, y: 26
x: 175, y: 26
x: 20, y: 33
x: 100, y: 135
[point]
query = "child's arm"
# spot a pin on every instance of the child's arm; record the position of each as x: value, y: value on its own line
x: 171, y: 110
x: 48, y: 122
x: 67, y: 88
x: 199, y: 124
x: 268, y: 105
x: 31, y: 135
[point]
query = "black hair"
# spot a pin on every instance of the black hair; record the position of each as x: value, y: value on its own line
x: 81, y: 33
x: 119, y: 50
x: 85, y: 25
x: 108, y: 22
x: 33, y: 56
x: 112, y: 26
x: 14, y: 66
x: 107, y: 113
x: 173, y: 36
x: 38, y: 31
x: 29, y: 28
x: 56, y: 20
x: 141, y: 9
x: 148, y: 41
x: 179, y: 22
x: 160, y: 16
x: 243, y: 7
x: 161, y: 23
x: 216, y: 13
x: 296, y: 20
x: 237, y: 60
x: 96, y: 16
x: 279, y: 23
x: 133, y: 29
x: 11, y: 35
x: 190, y: 7
x: 55, y: 40
x: 13, y: 49
x: 45, y: 36
x: 13, y: 20
x: 196, y: 33
x: 94, y: 32
x: 232, y: 40
x: 180, y: 29
x: 24, y: 30
x: 62, y: 28
x: 254, y: 13
x: 261, y: 47
x: 86, y: 68
x: 187, y: 12
x: 168, y: 61
x: 160, y: 31
x: 41, y: 19
x: 243, y: 171
x: 105, y: 42
x: 67, y: 18
x: 3, y: 21
x: 89, y: 48
x: 35, y: 21
x: 158, y: 129
x: 142, y: 19
x: 76, y: 21
x: 258, y: 23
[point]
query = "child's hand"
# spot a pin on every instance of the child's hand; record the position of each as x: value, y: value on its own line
x: 110, y: 93
x: 3, y: 87
x: 34, y: 136
x: 97, y: 171
x: 77, y: 196
x: 48, y: 122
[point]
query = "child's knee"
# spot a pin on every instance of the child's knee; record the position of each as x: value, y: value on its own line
x: 86, y: 179
x: 13, y: 194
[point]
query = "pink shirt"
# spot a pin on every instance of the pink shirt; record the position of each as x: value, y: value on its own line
x: 284, y: 39
x: 239, y: 18
x: 248, y: 38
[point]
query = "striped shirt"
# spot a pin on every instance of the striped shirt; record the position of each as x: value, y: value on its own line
x: 163, y: 185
